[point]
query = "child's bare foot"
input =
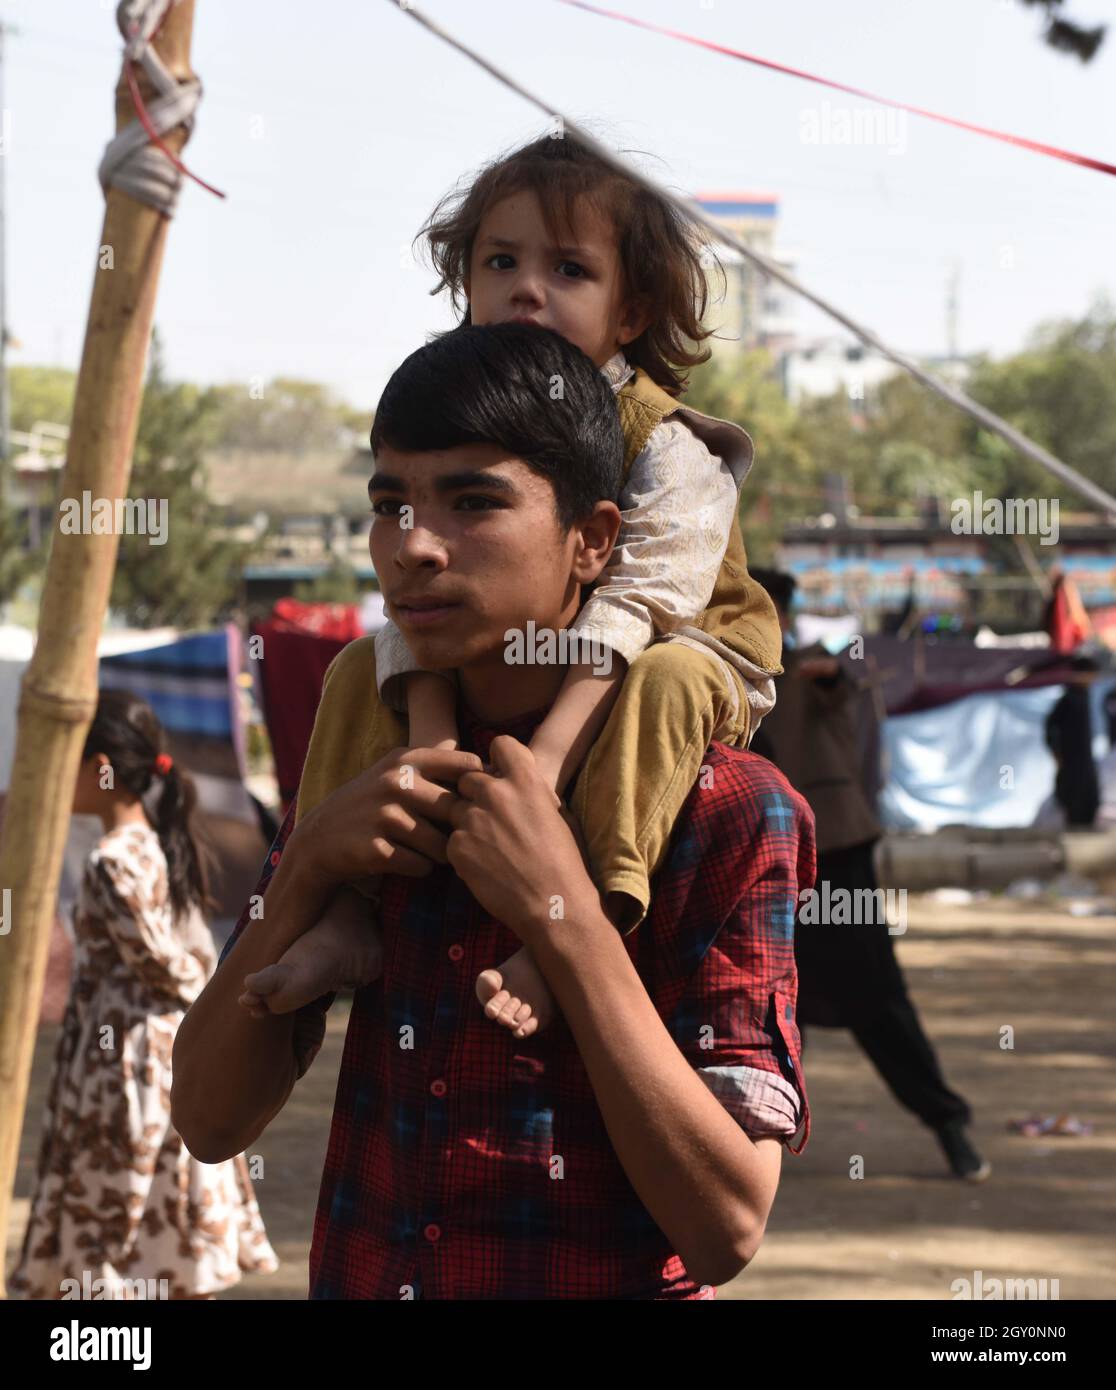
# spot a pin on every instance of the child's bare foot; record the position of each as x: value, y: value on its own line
x: 517, y: 995
x: 338, y: 952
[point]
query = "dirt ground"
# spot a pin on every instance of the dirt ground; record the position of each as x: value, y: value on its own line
x: 906, y: 1230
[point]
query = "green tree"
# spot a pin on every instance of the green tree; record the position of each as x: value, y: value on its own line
x: 915, y: 449
x: 285, y: 414
x: 1061, y: 391
x: 193, y: 579
x: 41, y: 393
x: 905, y: 444
x: 17, y: 563
x: 785, y: 480
x: 37, y: 394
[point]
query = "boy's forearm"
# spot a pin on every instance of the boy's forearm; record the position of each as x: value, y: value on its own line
x: 233, y: 1073
x: 578, y: 715
x: 697, y: 1172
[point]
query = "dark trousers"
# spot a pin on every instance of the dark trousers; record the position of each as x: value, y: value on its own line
x: 893, y: 1041
x: 850, y: 978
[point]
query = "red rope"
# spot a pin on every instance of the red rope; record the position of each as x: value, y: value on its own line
x: 145, y: 119
x: 1019, y: 140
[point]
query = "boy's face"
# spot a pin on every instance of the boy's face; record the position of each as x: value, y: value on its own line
x: 577, y: 288
x: 467, y: 544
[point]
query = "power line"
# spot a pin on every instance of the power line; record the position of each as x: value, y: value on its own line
x: 696, y: 214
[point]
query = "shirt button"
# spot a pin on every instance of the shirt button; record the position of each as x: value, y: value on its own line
x: 438, y: 1088
x: 432, y: 1232
x: 456, y: 952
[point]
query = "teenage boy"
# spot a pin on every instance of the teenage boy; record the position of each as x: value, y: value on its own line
x: 633, y: 1149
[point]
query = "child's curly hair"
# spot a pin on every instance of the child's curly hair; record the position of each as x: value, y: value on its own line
x: 661, y: 254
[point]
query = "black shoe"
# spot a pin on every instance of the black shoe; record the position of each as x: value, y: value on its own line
x: 964, y: 1160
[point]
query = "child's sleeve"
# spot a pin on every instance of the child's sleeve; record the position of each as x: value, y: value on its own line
x: 677, y: 509
x: 142, y: 931
x: 393, y: 662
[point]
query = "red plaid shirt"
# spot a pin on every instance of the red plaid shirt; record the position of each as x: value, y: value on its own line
x: 464, y: 1163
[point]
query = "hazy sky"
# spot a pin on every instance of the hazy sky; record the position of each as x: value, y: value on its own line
x: 335, y: 125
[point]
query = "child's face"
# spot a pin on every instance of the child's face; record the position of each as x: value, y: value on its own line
x: 576, y: 289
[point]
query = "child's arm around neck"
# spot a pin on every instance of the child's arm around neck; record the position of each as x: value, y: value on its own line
x: 577, y: 716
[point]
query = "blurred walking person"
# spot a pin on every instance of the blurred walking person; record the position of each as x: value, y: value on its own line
x: 848, y: 975
x: 118, y: 1197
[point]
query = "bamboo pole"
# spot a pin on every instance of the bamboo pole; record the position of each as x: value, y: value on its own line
x: 58, y: 694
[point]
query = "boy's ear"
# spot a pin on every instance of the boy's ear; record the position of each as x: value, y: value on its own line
x: 596, y: 536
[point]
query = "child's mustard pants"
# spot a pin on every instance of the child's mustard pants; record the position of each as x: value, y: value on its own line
x: 675, y: 698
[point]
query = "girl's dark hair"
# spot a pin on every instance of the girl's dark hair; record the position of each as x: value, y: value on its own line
x: 525, y: 388
x: 126, y: 730
x: 660, y: 251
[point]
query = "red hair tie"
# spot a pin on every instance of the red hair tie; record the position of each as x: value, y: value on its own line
x: 163, y: 764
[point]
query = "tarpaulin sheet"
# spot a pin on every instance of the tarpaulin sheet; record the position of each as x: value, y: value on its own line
x: 979, y: 761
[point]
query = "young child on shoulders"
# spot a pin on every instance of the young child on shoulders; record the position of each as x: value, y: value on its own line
x: 550, y: 235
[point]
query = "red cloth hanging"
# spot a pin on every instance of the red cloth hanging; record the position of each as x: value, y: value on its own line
x: 1066, y: 619
x: 299, y: 642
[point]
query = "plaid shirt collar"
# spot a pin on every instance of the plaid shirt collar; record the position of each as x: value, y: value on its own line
x: 478, y: 733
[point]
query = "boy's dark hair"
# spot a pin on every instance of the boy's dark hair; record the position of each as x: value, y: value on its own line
x: 660, y: 251
x: 517, y: 385
x: 781, y: 586
x: 126, y: 729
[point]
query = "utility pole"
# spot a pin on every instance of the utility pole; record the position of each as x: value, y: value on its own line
x: 58, y: 693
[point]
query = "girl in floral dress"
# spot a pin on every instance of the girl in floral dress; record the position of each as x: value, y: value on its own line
x: 118, y: 1198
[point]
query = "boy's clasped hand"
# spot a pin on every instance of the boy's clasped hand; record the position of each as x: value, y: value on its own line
x: 500, y: 826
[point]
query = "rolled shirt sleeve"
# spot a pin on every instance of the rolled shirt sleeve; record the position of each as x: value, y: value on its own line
x: 735, y: 1019
x: 763, y: 1103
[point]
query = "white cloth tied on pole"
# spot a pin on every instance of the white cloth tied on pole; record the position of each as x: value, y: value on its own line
x: 131, y: 162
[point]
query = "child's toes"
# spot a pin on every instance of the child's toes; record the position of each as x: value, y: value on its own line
x: 277, y: 988
x: 266, y: 981
x: 510, y: 1013
x: 253, y: 1004
x: 495, y: 1006
x: 527, y: 1027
